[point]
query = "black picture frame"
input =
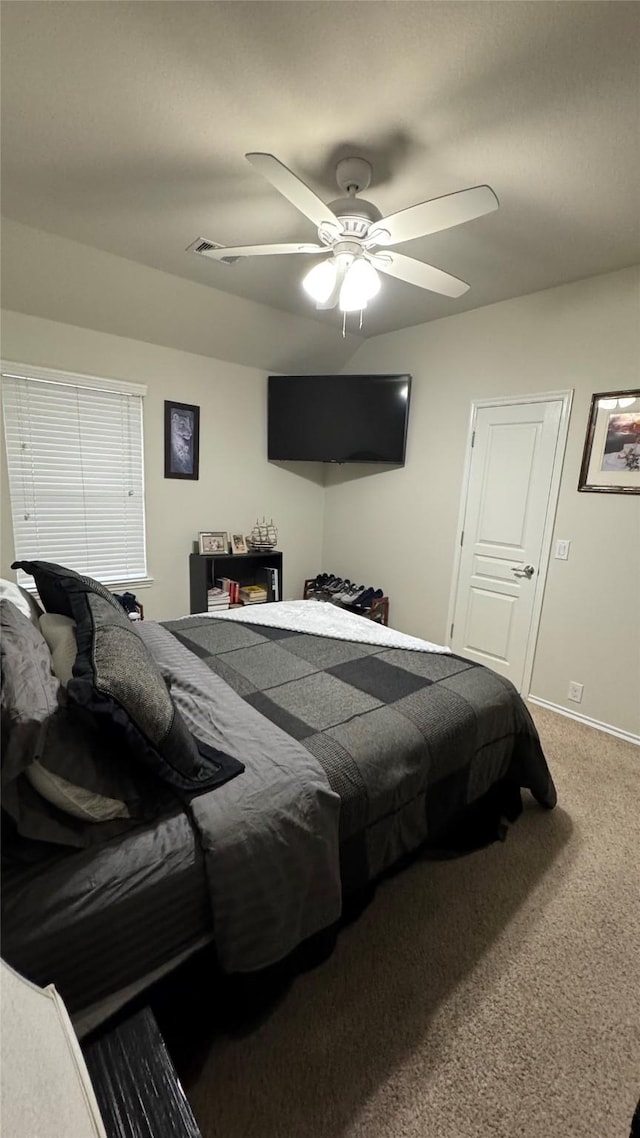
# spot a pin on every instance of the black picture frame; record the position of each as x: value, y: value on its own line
x: 181, y: 440
x: 618, y: 473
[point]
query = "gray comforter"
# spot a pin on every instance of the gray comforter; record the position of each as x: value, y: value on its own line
x: 270, y: 836
x: 354, y: 754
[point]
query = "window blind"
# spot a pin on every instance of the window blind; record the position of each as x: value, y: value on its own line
x: 76, y: 476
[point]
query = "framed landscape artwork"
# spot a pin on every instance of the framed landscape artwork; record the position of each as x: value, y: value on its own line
x: 181, y: 440
x: 611, y: 458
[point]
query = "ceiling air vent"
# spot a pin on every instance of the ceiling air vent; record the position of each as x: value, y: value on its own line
x: 201, y: 245
x: 204, y: 247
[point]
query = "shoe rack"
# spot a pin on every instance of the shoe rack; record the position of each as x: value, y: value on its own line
x: 379, y: 611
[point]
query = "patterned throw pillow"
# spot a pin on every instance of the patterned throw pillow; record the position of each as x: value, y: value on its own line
x: 48, y: 749
x: 116, y: 678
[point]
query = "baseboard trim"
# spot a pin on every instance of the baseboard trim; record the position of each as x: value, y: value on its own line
x: 628, y: 736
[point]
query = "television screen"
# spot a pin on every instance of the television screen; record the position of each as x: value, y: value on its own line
x: 338, y: 418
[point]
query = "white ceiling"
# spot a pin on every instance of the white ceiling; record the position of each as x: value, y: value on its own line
x: 124, y: 126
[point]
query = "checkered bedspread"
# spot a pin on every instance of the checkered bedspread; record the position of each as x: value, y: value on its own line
x: 407, y: 739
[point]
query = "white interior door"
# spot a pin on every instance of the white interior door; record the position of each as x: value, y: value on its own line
x: 514, y: 467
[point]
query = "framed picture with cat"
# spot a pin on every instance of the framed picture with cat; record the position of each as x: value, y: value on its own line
x: 181, y: 440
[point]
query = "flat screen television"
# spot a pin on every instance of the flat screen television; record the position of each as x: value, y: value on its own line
x: 338, y: 418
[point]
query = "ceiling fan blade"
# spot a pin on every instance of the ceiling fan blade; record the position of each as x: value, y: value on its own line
x: 292, y: 188
x: 418, y: 273
x: 237, y: 252
x: 434, y: 215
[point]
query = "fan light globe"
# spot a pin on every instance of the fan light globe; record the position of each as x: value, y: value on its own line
x: 360, y: 285
x: 320, y: 281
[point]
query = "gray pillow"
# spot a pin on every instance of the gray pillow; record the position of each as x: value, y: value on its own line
x: 116, y: 679
x: 60, y: 634
x: 21, y: 599
x: 29, y: 689
x: 63, y: 780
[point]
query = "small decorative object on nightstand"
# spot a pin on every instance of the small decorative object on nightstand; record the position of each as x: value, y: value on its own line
x: 264, y: 535
x: 238, y: 543
x: 216, y: 541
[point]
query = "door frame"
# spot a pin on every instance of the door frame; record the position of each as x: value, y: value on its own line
x: 566, y: 397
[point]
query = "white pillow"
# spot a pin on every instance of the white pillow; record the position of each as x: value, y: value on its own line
x: 23, y: 600
x: 74, y: 800
x: 60, y: 635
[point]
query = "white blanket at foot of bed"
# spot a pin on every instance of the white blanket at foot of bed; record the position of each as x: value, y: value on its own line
x: 325, y: 619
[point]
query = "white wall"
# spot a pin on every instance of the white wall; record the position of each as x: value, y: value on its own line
x: 396, y: 528
x: 49, y: 276
x: 236, y: 482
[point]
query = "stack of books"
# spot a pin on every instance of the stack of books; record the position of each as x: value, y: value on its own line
x: 231, y: 588
x: 217, y: 599
x: 253, y: 594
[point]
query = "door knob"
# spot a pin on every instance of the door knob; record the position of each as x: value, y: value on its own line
x: 528, y: 571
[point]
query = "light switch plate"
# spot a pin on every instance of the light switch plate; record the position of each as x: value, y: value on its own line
x: 562, y: 549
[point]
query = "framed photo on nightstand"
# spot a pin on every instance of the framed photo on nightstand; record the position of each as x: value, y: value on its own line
x: 216, y: 542
x: 238, y: 543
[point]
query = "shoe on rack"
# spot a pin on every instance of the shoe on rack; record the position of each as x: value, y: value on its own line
x: 337, y: 586
x: 364, y: 600
x: 343, y: 593
x: 354, y: 592
x: 320, y: 584
x: 327, y: 583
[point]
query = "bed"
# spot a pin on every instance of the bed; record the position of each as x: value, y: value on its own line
x: 358, y: 745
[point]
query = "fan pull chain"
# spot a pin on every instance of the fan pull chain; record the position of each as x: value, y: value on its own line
x: 344, y: 325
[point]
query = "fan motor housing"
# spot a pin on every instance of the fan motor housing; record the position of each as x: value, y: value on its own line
x: 355, y: 215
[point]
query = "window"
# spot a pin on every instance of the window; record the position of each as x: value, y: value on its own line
x: 76, y: 476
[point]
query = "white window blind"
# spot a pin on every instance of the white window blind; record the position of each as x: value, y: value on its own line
x: 76, y: 476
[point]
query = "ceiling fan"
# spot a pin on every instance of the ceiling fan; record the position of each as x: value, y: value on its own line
x: 356, y: 237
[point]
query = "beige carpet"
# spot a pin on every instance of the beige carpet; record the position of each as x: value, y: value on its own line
x: 489, y: 997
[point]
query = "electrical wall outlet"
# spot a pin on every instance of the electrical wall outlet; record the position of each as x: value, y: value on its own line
x: 575, y: 691
x: 562, y: 549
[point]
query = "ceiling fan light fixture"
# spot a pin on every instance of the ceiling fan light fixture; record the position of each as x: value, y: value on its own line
x: 320, y: 281
x: 351, y: 229
x: 360, y: 285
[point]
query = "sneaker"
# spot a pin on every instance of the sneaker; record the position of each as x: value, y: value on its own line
x: 354, y: 592
x: 338, y: 585
x: 364, y: 599
x: 343, y: 594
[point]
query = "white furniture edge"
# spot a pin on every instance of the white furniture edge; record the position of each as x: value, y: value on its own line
x: 51, y: 994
